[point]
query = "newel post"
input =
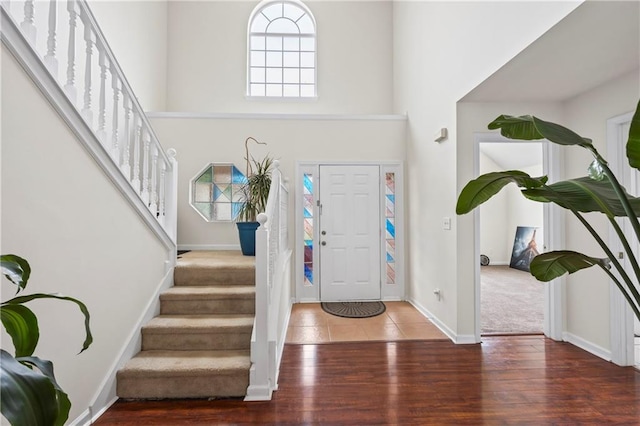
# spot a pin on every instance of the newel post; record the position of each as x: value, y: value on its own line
x: 259, y: 387
x: 171, y: 206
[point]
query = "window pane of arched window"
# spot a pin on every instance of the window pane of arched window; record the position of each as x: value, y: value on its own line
x: 282, y: 56
x: 283, y: 26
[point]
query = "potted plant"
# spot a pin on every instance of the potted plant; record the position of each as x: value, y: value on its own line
x: 600, y: 191
x: 255, y: 195
x: 29, y: 391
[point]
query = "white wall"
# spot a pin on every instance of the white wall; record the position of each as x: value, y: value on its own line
x: 137, y: 33
x: 587, y: 313
x: 81, y: 237
x: 442, y: 50
x: 204, y: 140
x: 207, y: 58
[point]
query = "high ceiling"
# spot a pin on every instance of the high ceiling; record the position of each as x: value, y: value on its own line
x: 597, y: 42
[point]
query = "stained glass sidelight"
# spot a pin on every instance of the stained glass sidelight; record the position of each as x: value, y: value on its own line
x: 390, y: 226
x: 308, y: 228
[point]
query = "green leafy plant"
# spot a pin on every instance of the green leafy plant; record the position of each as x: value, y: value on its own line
x: 29, y: 390
x: 256, y: 189
x: 600, y: 191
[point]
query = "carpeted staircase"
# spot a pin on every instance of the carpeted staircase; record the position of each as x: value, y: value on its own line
x: 198, y: 347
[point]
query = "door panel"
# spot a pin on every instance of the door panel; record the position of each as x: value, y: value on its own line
x: 350, y: 233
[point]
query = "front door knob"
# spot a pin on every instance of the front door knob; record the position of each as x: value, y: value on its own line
x: 324, y: 243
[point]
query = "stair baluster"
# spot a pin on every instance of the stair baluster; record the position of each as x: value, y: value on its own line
x: 145, y: 167
x: 69, y: 87
x: 137, y: 129
x: 125, y: 165
x: 50, y: 59
x: 115, y: 145
x: 27, y: 25
x: 102, y: 113
x: 87, y: 113
x: 153, y: 202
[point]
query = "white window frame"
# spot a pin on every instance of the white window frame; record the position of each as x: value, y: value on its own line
x: 256, y: 13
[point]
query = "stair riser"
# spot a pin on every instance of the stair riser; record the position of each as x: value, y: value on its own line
x: 217, y: 276
x: 204, y: 386
x: 195, y: 307
x: 195, y: 341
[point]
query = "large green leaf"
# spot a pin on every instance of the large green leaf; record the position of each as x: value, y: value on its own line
x: 62, y: 399
x: 584, y: 195
x: 527, y: 127
x: 486, y: 186
x: 16, y: 269
x: 28, y: 397
x: 551, y: 265
x: 24, y: 299
x: 22, y: 325
x: 633, y: 145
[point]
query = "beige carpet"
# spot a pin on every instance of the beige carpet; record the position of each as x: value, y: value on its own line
x: 198, y: 347
x: 512, y: 301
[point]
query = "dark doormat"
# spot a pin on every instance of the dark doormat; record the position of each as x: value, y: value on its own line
x: 353, y: 309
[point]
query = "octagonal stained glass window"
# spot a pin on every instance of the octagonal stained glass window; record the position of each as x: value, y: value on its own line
x: 216, y: 192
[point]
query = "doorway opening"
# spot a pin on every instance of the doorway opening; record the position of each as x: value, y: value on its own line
x: 511, y: 231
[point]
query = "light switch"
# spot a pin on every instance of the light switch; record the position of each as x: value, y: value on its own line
x: 446, y: 223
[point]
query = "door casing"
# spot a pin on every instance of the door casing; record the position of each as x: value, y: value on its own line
x: 389, y: 291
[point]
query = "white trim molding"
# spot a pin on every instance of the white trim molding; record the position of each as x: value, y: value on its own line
x: 458, y: 339
x: 106, y: 394
x: 621, y: 315
x: 311, y: 293
x: 553, y: 236
x: 592, y: 348
x: 208, y: 247
x: 278, y: 116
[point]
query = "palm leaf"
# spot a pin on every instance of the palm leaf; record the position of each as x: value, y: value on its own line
x: 553, y: 264
x: 16, y: 269
x: 584, y: 195
x: 22, y: 325
x: 24, y: 299
x: 527, y: 127
x: 486, y: 186
x: 633, y: 144
x: 28, y: 397
x: 62, y: 399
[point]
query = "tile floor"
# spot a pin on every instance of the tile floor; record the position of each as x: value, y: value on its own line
x: 401, y: 321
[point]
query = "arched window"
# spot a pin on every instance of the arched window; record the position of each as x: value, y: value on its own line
x: 282, y: 50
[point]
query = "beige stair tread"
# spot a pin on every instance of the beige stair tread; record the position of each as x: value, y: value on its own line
x: 186, y: 363
x: 227, y: 259
x: 209, y: 292
x: 197, y: 323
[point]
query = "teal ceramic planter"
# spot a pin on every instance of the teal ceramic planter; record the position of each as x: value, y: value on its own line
x: 247, y: 233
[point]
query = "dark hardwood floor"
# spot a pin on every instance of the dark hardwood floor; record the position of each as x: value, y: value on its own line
x: 506, y: 380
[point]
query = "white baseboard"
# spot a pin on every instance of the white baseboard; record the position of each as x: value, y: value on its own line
x: 592, y: 348
x: 280, y: 348
x: 208, y: 246
x: 106, y: 394
x: 83, y: 419
x: 499, y: 263
x: 462, y: 339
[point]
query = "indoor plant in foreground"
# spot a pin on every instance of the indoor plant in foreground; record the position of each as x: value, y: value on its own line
x: 255, y: 195
x: 29, y: 391
x: 600, y: 191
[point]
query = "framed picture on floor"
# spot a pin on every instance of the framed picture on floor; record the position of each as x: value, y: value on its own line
x: 525, y: 247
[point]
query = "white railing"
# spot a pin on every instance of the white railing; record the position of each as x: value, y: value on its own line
x: 59, y: 43
x: 272, y: 276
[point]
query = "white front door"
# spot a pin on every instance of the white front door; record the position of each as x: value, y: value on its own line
x: 349, y: 233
